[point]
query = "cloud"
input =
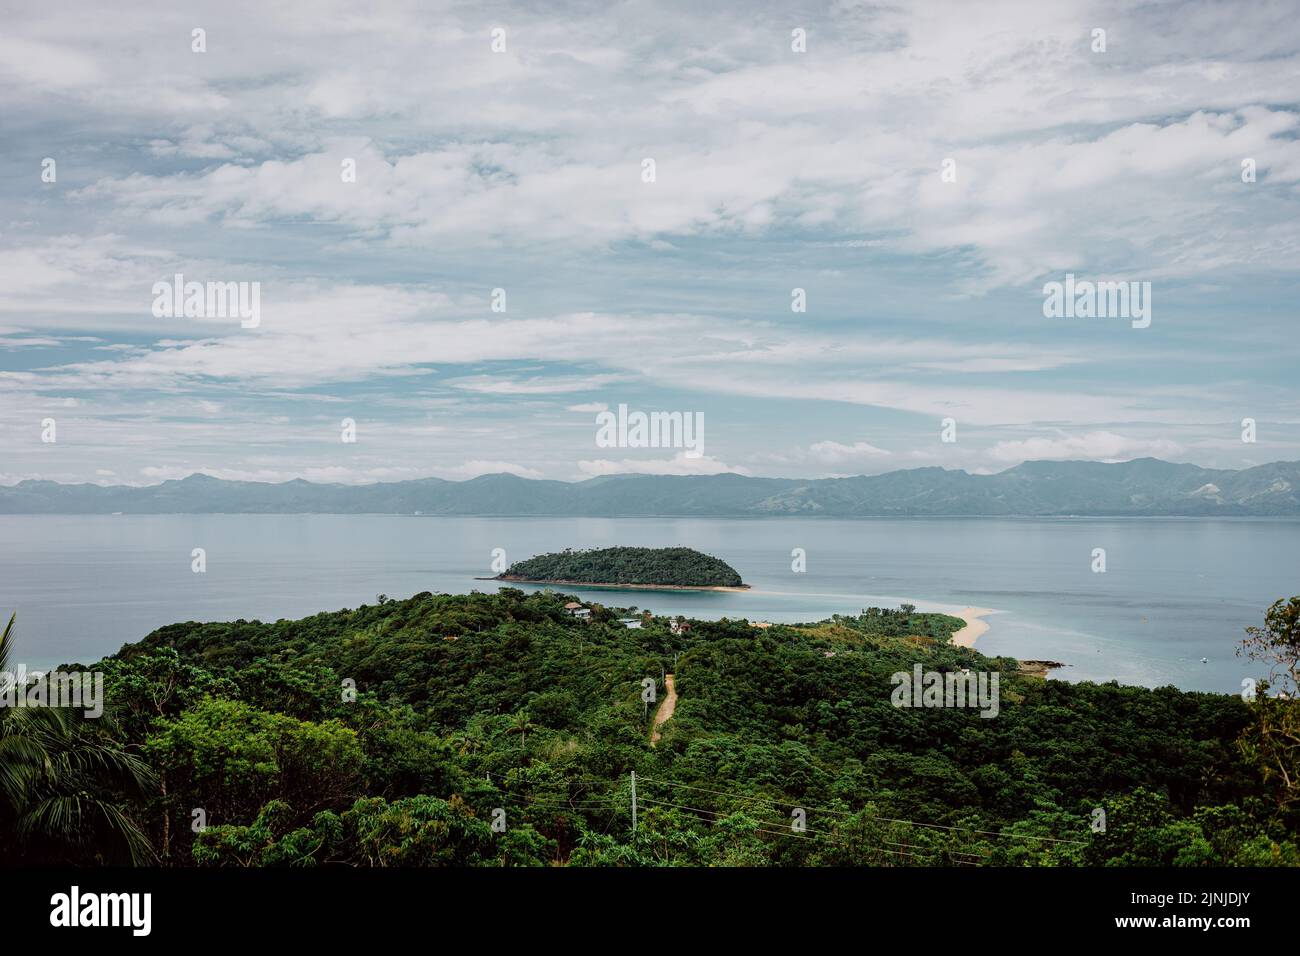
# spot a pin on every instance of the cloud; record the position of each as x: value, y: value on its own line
x: 45, y: 65
x: 19, y: 342
x: 836, y: 453
x: 679, y: 464
x: 1008, y: 206
x: 1096, y: 445
x: 1056, y: 148
x: 555, y: 385
x: 774, y: 170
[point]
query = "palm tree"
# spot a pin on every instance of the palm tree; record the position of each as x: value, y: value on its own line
x: 466, y: 742
x: 520, y: 721
x: 60, y: 773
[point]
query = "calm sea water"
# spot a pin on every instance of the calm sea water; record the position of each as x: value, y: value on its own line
x: 1175, y: 590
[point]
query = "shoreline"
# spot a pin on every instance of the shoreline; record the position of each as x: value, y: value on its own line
x: 975, y: 626
x: 737, y: 589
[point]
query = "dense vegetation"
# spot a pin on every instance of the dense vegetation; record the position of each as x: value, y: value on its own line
x: 398, y: 733
x: 679, y: 567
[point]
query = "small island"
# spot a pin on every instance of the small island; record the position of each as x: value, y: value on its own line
x: 676, y: 569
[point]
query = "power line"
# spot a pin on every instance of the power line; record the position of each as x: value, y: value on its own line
x: 680, y: 806
x: 915, y: 823
x: 568, y: 781
x: 554, y: 804
x: 801, y: 834
x: 621, y: 793
x: 715, y: 817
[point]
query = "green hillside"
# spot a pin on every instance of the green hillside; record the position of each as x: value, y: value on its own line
x: 396, y: 733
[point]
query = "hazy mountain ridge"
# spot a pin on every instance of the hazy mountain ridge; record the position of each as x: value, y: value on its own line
x: 1144, y: 486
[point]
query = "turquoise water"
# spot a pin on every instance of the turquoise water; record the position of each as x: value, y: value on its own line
x: 1175, y: 590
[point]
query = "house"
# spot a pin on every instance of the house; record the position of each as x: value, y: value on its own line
x: 680, y: 626
x: 578, y: 611
x: 632, y: 622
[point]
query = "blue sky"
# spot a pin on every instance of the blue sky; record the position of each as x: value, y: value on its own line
x: 521, y: 170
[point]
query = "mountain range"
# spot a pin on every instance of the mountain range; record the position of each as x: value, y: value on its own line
x: 1143, y: 486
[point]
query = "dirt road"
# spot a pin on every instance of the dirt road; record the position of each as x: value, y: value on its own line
x: 666, y: 709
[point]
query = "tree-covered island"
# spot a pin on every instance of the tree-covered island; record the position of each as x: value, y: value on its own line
x: 627, y: 567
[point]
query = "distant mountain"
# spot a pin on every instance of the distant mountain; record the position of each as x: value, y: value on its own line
x: 1144, y: 486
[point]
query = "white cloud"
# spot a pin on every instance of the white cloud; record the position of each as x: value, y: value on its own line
x: 679, y: 464
x: 1095, y: 445
x: 774, y: 170
x: 554, y: 385
x: 46, y: 65
x: 835, y: 453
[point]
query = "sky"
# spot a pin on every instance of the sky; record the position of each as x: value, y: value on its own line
x: 919, y: 170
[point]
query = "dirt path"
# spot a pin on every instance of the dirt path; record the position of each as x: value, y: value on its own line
x: 665, y: 711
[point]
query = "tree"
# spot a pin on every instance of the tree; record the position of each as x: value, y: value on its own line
x: 521, y: 721
x: 270, y: 840
x: 147, y: 687
x: 61, y: 778
x: 229, y: 759
x: 1142, y: 831
x: 1277, y: 644
x: 416, y: 831
x: 1271, y: 742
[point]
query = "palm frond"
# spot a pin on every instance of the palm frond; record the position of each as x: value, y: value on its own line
x: 86, y: 822
x: 7, y: 642
x: 59, y: 772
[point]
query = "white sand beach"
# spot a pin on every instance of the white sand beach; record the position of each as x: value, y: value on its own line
x: 975, y: 626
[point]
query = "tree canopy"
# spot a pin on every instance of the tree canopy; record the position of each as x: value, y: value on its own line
x: 680, y: 567
x: 495, y: 729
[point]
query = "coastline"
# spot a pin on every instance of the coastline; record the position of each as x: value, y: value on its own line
x: 738, y: 589
x: 975, y: 626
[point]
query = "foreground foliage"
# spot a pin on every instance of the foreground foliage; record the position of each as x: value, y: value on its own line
x: 68, y: 784
x: 396, y: 734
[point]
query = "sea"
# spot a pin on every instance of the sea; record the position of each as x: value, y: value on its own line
x: 1170, y: 607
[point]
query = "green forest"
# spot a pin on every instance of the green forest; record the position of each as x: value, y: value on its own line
x: 679, y: 567
x: 496, y: 730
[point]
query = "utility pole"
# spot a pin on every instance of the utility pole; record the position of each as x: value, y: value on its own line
x: 634, y: 801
